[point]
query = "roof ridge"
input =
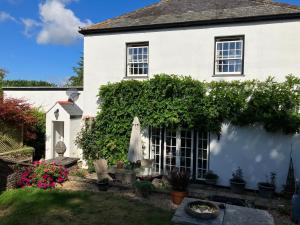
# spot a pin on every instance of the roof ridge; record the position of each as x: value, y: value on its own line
x: 176, y: 11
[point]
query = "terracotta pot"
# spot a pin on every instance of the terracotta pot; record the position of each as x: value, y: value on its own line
x: 178, y: 196
x: 120, y: 165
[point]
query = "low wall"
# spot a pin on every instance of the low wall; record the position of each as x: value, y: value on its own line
x: 43, y: 97
x: 10, y: 173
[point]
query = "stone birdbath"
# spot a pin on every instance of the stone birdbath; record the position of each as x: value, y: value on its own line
x: 227, y: 215
x: 60, y: 148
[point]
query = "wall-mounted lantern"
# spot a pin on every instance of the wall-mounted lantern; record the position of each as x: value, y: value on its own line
x: 56, y: 113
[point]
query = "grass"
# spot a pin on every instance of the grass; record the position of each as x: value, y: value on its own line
x: 53, y: 207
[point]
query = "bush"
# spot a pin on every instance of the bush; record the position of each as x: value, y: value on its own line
x: 43, y: 175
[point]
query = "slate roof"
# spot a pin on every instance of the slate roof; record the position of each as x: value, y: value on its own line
x: 71, y: 108
x: 168, y: 12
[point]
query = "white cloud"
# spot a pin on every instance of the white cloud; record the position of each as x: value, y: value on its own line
x: 30, y: 25
x: 57, y: 25
x: 4, y: 16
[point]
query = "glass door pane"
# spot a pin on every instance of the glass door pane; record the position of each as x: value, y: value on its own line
x: 186, y: 150
x: 170, y: 150
x: 202, y: 151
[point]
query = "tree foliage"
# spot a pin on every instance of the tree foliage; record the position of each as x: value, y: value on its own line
x: 173, y: 101
x: 77, y: 79
x: 18, y: 112
x: 3, y: 73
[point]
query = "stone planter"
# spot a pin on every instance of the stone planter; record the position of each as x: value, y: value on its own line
x: 237, y: 187
x: 266, y: 190
x: 178, y: 196
x: 129, y: 177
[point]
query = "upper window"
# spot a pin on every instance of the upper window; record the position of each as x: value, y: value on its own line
x: 137, y: 59
x: 229, y: 56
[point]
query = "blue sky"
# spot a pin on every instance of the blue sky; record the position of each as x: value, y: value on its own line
x: 37, y: 44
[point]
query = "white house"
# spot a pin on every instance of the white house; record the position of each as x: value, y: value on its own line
x: 209, y: 40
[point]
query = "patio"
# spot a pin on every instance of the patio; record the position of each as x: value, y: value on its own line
x: 277, y: 207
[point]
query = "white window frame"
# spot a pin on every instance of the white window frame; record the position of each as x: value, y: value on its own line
x: 130, y: 61
x: 218, y: 58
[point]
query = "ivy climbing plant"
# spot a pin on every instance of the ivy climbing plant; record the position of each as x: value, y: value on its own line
x: 179, y: 101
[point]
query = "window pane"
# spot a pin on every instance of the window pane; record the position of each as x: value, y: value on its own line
x: 225, y: 46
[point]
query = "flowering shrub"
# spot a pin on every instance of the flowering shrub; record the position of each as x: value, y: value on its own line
x: 43, y: 175
x: 19, y: 113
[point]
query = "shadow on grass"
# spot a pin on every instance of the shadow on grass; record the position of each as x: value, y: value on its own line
x: 52, y: 207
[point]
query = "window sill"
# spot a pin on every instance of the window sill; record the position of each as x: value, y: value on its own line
x: 228, y: 75
x: 135, y: 77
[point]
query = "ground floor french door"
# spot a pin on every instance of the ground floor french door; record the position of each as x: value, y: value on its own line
x: 180, y: 148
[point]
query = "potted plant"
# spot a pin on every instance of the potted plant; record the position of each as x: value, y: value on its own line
x: 267, y: 188
x: 103, y: 184
x: 143, y: 188
x: 237, y: 182
x: 211, y: 178
x: 179, y: 181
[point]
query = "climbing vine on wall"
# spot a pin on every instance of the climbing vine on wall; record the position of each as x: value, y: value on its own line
x: 177, y: 101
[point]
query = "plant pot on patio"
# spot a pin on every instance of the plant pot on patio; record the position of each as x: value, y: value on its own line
x: 103, y: 184
x: 266, y: 190
x: 179, y: 181
x: 178, y: 196
x: 237, y: 186
x: 237, y: 182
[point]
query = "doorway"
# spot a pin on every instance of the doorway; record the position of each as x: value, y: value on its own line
x: 58, y: 134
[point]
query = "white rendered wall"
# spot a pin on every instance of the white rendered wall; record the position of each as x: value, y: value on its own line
x: 42, y: 98
x: 256, y: 151
x: 270, y: 49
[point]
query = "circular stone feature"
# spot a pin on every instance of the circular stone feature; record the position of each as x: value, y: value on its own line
x: 60, y: 148
x: 202, y: 210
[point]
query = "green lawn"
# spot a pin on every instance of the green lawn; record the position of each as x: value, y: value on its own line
x: 53, y: 207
